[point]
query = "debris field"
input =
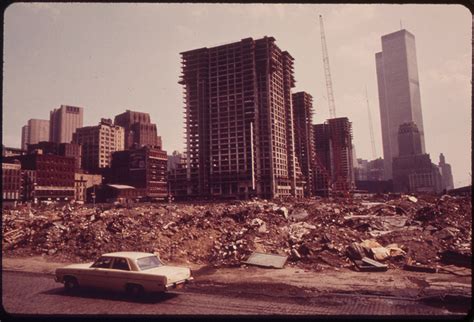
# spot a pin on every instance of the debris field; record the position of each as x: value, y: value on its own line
x: 396, y: 231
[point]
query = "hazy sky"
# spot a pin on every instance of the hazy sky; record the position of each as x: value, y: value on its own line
x: 111, y: 57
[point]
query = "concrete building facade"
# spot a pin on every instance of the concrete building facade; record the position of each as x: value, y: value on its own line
x: 98, y: 143
x: 304, y: 138
x: 63, y: 122
x: 399, y: 91
x: 139, y: 131
x: 239, y: 121
x: 413, y: 171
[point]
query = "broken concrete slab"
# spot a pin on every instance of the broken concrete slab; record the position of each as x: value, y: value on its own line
x: 266, y: 260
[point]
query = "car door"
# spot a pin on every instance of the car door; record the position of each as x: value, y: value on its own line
x: 100, y: 272
x: 120, y: 273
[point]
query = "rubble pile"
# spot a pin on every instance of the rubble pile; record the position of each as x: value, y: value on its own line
x: 313, y: 232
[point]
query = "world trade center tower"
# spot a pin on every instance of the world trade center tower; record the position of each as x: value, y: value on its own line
x: 399, y: 91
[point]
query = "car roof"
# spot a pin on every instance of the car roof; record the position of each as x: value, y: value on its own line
x: 130, y: 255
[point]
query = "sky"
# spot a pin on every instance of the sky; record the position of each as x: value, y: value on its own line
x: 111, y: 57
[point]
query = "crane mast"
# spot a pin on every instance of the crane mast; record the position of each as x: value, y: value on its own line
x: 327, y: 71
x: 371, y: 128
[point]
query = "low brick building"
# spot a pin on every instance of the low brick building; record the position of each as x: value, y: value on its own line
x: 143, y: 168
x: 54, y: 175
x: 11, y: 182
x: 82, y: 181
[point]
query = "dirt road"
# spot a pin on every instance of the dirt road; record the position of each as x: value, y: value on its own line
x: 37, y: 293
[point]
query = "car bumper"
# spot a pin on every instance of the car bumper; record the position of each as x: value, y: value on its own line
x: 178, y: 285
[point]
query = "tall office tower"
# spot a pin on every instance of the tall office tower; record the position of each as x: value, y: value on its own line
x: 98, y: 142
x: 35, y: 131
x: 446, y: 173
x: 24, y: 137
x: 333, y: 147
x: 304, y: 138
x: 399, y: 91
x: 139, y: 131
x: 239, y: 127
x: 63, y: 122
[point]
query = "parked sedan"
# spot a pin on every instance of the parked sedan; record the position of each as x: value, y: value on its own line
x: 132, y: 272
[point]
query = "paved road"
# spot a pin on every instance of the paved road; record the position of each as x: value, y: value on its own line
x: 33, y: 293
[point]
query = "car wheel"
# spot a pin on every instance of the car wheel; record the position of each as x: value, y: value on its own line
x: 134, y: 290
x: 70, y: 283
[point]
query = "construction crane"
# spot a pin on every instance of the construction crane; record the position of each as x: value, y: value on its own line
x: 327, y: 71
x: 371, y: 128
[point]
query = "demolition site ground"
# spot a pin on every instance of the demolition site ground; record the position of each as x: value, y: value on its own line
x: 386, y: 248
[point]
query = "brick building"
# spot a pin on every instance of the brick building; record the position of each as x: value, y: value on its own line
x: 11, y: 182
x: 143, y: 168
x: 63, y: 149
x: 82, y: 181
x: 54, y: 176
x: 138, y: 129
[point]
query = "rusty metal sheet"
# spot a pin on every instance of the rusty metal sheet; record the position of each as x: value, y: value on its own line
x: 266, y: 260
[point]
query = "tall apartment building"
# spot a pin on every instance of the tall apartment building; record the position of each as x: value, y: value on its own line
x: 63, y: 122
x: 399, y: 91
x: 98, y: 143
x: 139, y: 131
x: 239, y: 120
x: 34, y: 132
x: 304, y: 138
x: 333, y: 147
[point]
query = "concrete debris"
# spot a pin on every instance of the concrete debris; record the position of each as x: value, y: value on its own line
x: 334, y: 231
x: 266, y: 260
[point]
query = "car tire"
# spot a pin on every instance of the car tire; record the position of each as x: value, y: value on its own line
x: 134, y: 290
x: 70, y: 283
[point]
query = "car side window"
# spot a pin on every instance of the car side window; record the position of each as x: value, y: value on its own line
x: 102, y: 262
x: 120, y: 263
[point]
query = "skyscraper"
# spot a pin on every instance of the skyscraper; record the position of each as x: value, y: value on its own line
x: 63, y: 122
x: 239, y: 120
x: 446, y: 173
x: 35, y: 131
x: 24, y: 137
x: 139, y: 131
x: 399, y: 91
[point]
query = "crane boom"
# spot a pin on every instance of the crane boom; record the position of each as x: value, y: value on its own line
x: 371, y: 128
x: 327, y: 71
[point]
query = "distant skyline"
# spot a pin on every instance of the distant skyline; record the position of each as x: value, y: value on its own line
x: 111, y: 57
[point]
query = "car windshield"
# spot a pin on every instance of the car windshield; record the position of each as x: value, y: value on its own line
x: 148, y: 262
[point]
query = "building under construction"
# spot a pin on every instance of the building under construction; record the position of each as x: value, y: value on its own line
x: 333, y: 148
x: 304, y: 138
x: 239, y: 121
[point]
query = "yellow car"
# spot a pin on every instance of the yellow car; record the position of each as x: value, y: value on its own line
x: 132, y: 272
